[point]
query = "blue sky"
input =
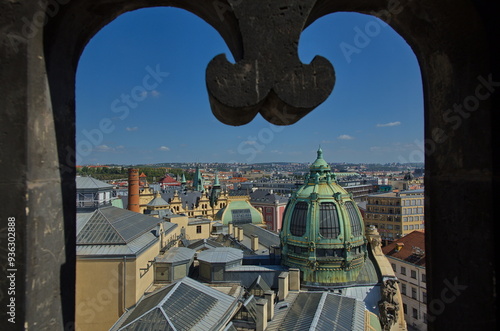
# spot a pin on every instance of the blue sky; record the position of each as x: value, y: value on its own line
x: 127, y: 115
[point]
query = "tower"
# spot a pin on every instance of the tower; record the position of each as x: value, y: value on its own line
x: 215, y: 192
x: 323, y: 232
x: 198, y: 183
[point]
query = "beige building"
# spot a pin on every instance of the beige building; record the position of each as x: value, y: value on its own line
x: 115, y: 248
x: 395, y: 214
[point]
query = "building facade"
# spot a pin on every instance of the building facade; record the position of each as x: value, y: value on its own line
x: 396, y: 214
x: 272, y: 206
x: 407, y: 258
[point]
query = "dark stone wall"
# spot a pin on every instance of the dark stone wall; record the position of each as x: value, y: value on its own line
x: 454, y: 41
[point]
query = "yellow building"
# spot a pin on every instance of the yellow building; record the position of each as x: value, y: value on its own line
x: 396, y: 214
x: 115, y: 248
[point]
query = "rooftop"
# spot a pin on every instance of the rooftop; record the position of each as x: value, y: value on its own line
x: 411, y: 248
x: 183, y: 305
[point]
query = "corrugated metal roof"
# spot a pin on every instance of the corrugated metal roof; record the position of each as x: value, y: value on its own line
x: 323, y: 311
x: 111, y: 225
x: 185, y: 305
x: 301, y: 314
x: 155, y: 320
x: 340, y: 313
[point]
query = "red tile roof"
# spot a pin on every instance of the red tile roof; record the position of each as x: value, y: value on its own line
x: 412, y: 251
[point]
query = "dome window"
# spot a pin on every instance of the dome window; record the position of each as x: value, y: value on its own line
x: 354, y: 218
x: 328, y: 220
x: 299, y: 219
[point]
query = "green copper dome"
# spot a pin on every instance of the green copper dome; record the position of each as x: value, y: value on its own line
x: 323, y: 231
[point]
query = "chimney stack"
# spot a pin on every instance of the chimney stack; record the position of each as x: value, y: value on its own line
x: 240, y: 234
x: 261, y: 322
x: 255, y: 243
x: 269, y: 295
x: 294, y: 279
x: 399, y: 246
x: 133, y: 190
x: 230, y: 229
x: 283, y: 286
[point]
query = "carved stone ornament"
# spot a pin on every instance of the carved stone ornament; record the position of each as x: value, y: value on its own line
x: 269, y: 79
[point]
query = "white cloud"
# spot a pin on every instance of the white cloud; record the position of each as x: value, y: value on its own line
x: 345, y: 137
x: 155, y: 93
x: 389, y: 124
x: 103, y: 148
x: 135, y: 128
x: 164, y: 149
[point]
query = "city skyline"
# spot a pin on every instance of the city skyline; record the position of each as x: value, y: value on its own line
x: 141, y: 96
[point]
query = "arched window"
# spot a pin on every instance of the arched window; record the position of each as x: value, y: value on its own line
x: 299, y: 219
x: 354, y: 218
x: 328, y: 220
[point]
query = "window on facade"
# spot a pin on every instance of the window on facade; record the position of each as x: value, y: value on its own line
x: 423, y: 278
x: 414, y: 292
x: 328, y: 220
x: 354, y: 218
x: 403, y: 271
x: 299, y: 219
x: 405, y: 308
x: 403, y: 289
x: 424, y: 297
x: 415, y: 313
x: 393, y: 266
x: 198, y: 229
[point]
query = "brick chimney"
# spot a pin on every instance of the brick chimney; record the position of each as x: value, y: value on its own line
x: 133, y: 190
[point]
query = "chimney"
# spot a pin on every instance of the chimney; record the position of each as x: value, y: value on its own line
x: 399, y: 246
x: 270, y: 295
x: 255, y: 243
x: 261, y: 322
x: 283, y: 286
x: 133, y: 190
x: 240, y: 234
x: 294, y: 279
x: 230, y: 229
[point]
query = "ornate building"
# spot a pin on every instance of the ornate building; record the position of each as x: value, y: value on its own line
x: 323, y: 232
x: 323, y: 235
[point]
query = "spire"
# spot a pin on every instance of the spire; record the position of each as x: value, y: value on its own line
x: 183, y: 180
x: 216, y: 180
x: 320, y: 164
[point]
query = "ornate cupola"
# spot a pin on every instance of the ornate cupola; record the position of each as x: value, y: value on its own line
x: 323, y: 232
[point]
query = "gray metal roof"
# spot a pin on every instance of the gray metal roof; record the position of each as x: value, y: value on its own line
x: 220, y: 255
x: 176, y: 254
x: 111, y: 231
x: 184, y: 305
x: 157, y: 202
x: 112, y: 225
x: 266, y: 237
x: 91, y: 183
x: 324, y: 311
